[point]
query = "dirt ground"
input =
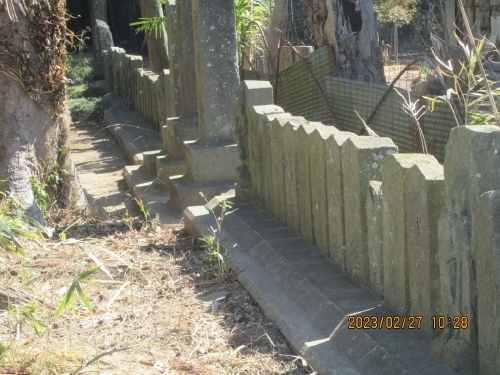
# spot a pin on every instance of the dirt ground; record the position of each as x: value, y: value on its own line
x: 158, y: 305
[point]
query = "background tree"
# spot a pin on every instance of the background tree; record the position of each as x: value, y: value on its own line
x: 351, y: 28
x: 34, y: 124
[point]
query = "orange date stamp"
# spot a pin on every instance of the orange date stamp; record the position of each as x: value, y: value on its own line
x: 384, y: 321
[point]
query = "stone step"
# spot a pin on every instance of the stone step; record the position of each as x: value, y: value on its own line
x: 166, y: 168
x: 152, y: 194
x: 311, y: 300
x: 149, y: 161
x: 134, y: 134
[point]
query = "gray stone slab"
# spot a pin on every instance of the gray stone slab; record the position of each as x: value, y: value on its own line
x: 176, y: 132
x: 217, y: 75
x: 424, y: 202
x: 374, y: 237
x: 318, y: 176
x: 211, y: 164
x: 255, y: 136
x: 152, y: 194
x: 394, y: 219
x: 335, y: 197
x: 290, y: 145
x: 471, y: 167
x: 133, y: 133
x: 276, y: 161
x: 304, y: 181
x: 486, y: 245
x: 166, y: 167
x: 308, y: 286
x: 149, y: 161
x: 361, y: 162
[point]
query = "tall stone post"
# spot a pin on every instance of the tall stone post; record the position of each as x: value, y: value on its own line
x: 471, y: 168
x: 185, y: 127
x: 174, y: 105
x: 213, y: 159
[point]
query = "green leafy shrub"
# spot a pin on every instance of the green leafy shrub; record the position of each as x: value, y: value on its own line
x: 79, y: 72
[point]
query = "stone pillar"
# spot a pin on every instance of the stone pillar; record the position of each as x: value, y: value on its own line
x: 361, y: 162
x: 212, y: 160
x: 290, y: 151
x: 486, y: 244
x: 424, y: 202
x: 252, y: 93
x: 185, y: 127
x: 318, y: 177
x: 304, y: 180
x: 394, y: 218
x: 374, y: 237
x: 471, y: 168
x: 335, y: 197
x: 174, y: 104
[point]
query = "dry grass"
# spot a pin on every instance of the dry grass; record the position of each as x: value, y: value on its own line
x: 156, y: 298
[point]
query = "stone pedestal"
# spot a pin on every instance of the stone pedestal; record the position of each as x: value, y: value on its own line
x: 183, y: 83
x: 211, y: 161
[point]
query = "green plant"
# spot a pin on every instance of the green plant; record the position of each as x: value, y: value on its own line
x: 151, y: 25
x: 470, y: 85
x: 250, y: 14
x: 149, y: 222
x: 78, y: 71
x: 215, y: 242
x: 69, y: 298
x: 13, y: 226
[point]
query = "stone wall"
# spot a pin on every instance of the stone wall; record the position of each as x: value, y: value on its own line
x: 423, y: 236
x: 146, y: 92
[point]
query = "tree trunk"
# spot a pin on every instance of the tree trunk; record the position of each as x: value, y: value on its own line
x: 157, y: 46
x: 350, y: 26
x: 33, y: 118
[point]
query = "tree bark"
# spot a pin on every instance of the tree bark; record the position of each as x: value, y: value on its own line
x: 33, y: 118
x: 351, y: 28
x: 157, y: 47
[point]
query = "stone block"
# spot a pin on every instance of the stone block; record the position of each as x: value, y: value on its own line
x: 257, y: 93
x: 424, y: 202
x: 149, y: 161
x: 471, y: 168
x: 361, y: 162
x: 394, y: 219
x: 256, y: 121
x: 166, y: 167
x: 290, y: 150
x: 374, y: 237
x: 486, y: 245
x: 318, y: 176
x: 335, y: 197
x: 217, y: 75
x: 176, y: 132
x: 304, y: 180
x: 276, y: 167
x: 272, y: 145
x: 211, y: 164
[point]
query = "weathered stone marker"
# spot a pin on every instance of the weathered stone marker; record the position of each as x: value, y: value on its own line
x: 251, y: 93
x: 395, y: 251
x: 424, y: 202
x: 174, y: 104
x: 486, y: 244
x: 335, y: 197
x: 184, y: 127
x: 362, y: 159
x: 471, y: 168
x: 374, y: 236
x: 213, y: 159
